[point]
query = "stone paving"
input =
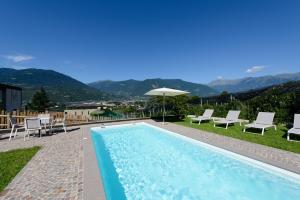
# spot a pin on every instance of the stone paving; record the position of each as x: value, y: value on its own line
x: 56, y: 171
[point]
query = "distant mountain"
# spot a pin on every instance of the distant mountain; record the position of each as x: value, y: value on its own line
x: 249, y: 83
x: 281, y: 89
x: 59, y: 87
x: 135, y: 88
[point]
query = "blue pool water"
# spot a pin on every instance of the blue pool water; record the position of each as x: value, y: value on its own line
x: 144, y: 162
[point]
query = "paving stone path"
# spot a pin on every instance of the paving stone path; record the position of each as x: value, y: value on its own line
x: 55, y: 172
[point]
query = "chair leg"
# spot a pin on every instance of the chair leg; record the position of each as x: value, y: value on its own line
x: 288, y: 136
x: 275, y: 127
x: 11, y: 132
x: 65, y: 128
x: 50, y: 129
x: 263, y: 130
x: 214, y: 125
x: 199, y: 122
x: 46, y: 129
x: 26, y: 132
x: 244, y: 129
x: 16, y: 132
x: 226, y: 125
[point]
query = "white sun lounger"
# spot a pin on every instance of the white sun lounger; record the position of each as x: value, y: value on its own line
x: 231, y: 118
x: 206, y: 116
x: 296, y: 128
x: 263, y: 120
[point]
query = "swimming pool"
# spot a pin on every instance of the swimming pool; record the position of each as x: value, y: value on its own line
x: 142, y: 161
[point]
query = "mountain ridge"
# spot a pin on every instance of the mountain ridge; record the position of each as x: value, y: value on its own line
x: 135, y: 88
x: 249, y: 83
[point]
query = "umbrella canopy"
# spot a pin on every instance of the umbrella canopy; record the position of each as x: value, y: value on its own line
x: 165, y: 92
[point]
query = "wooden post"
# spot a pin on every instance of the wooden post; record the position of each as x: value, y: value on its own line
x: 7, y: 120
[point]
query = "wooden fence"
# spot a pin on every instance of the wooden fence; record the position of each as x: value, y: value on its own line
x: 20, y: 116
x: 70, y: 119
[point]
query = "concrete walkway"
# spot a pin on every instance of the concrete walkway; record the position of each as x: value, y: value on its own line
x: 60, y: 169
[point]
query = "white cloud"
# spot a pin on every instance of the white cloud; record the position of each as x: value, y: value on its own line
x: 220, y: 77
x: 18, y: 58
x: 255, y: 69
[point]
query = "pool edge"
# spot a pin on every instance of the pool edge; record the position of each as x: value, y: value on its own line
x: 92, y: 183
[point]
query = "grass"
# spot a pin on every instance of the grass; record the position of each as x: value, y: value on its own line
x: 272, y: 138
x: 11, y: 163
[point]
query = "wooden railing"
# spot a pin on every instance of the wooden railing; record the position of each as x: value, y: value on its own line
x: 20, y: 116
x: 70, y: 119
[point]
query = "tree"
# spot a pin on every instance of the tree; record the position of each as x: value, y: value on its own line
x: 174, y: 105
x: 194, y: 100
x: 224, y: 97
x: 40, y: 101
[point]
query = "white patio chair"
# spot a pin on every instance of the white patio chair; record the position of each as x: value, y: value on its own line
x: 14, y: 126
x: 296, y: 128
x: 45, y: 120
x: 32, y: 125
x: 231, y: 118
x: 263, y: 120
x: 206, y: 116
x: 60, y: 122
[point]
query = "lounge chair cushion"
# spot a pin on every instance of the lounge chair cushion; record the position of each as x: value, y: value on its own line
x: 225, y: 121
x: 233, y: 115
x: 208, y: 113
x: 265, y: 118
x: 256, y: 125
x: 200, y: 118
x: 294, y: 131
x: 297, y: 121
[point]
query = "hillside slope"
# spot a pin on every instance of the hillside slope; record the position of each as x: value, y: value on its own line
x: 60, y: 87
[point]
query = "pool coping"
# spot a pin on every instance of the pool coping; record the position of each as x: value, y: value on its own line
x: 92, y: 178
x: 93, y: 186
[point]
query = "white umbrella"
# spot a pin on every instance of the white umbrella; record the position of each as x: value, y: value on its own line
x: 165, y: 92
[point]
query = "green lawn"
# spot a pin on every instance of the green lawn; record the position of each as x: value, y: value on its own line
x: 11, y: 162
x: 272, y: 138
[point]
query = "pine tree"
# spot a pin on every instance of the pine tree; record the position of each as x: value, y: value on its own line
x: 40, y: 101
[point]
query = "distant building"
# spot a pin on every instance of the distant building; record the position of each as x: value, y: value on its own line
x: 84, y: 109
x: 82, y: 112
x: 10, y: 97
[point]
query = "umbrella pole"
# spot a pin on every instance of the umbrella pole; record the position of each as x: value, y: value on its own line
x: 164, y: 111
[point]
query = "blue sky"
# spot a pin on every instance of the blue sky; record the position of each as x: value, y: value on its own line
x: 197, y: 41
